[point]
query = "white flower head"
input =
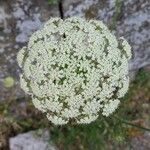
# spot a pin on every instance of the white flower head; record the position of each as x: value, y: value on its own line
x: 75, y: 69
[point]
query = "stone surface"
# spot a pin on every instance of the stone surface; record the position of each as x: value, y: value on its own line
x: 31, y: 141
x: 132, y: 22
x: 135, y: 26
x: 18, y: 20
x: 141, y: 143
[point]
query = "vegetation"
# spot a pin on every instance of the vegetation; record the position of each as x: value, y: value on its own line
x: 114, y: 131
x: 117, y: 14
x: 53, y: 1
x: 105, y: 133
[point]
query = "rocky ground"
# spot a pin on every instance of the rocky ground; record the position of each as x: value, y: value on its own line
x: 32, y: 141
x: 20, y: 18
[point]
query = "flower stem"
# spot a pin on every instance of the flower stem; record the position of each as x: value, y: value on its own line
x: 131, y: 124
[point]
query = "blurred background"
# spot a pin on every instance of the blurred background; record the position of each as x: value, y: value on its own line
x: 22, y: 127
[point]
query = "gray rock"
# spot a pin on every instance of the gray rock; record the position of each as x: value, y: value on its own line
x: 133, y: 22
x: 18, y: 20
x: 31, y: 141
x: 141, y: 143
x: 135, y: 26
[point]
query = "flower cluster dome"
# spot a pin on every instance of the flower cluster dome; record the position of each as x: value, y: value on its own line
x: 75, y: 69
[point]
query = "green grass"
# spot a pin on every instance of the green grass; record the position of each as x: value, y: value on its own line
x: 93, y: 136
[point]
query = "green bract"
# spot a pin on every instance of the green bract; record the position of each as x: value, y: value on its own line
x: 75, y: 69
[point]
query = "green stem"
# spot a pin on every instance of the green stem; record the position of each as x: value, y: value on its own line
x: 118, y: 5
x: 131, y: 124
